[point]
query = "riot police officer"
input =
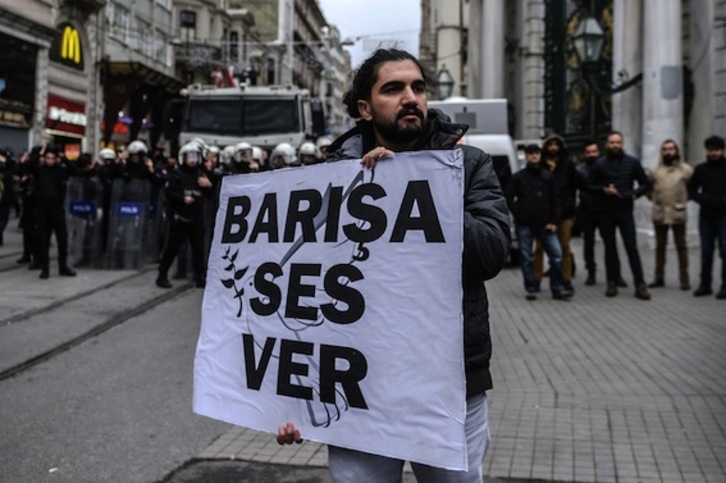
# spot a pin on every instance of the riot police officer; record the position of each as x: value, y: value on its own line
x: 185, y: 190
x: 308, y: 154
x: 283, y: 156
x: 242, y: 162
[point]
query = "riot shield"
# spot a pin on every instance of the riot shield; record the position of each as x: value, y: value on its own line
x: 154, y: 227
x: 84, y: 198
x: 128, y: 217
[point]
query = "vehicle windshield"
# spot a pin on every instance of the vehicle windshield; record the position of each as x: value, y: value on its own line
x: 242, y: 117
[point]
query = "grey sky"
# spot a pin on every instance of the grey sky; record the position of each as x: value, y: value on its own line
x: 371, y: 22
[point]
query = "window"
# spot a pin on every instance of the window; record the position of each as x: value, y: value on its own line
x: 160, y: 47
x: 119, y: 22
x: 143, y: 37
x: 187, y: 25
x: 234, y: 45
x: 243, y: 117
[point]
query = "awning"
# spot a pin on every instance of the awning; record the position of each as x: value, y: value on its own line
x: 145, y: 73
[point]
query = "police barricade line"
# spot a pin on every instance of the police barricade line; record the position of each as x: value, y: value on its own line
x: 84, y: 215
x: 128, y: 219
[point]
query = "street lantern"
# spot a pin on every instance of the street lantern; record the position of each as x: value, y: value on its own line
x: 588, y: 40
x: 444, y: 82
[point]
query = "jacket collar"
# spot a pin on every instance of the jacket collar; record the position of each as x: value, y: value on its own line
x: 439, y: 133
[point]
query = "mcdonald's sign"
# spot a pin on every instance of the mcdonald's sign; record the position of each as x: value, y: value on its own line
x: 67, y: 48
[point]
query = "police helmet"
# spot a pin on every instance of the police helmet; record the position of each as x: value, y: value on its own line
x: 242, y: 151
x: 258, y: 154
x: 308, y: 153
x: 189, y: 155
x: 137, y: 147
x: 323, y: 142
x: 283, y: 155
x: 227, y: 154
x: 107, y: 155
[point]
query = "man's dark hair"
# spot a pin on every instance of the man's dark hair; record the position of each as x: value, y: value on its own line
x: 367, y: 74
x: 674, y: 143
x: 52, y: 149
x: 714, y: 142
x: 589, y: 142
x: 612, y: 133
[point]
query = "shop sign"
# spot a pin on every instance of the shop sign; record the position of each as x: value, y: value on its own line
x: 67, y: 48
x: 66, y: 115
x: 72, y: 151
x: 12, y: 118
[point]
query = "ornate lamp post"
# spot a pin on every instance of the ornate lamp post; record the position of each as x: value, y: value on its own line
x: 444, y: 83
x: 588, y: 41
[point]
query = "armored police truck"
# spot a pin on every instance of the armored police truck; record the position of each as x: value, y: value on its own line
x: 260, y: 115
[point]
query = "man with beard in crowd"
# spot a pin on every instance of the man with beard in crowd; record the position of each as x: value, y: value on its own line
x: 708, y: 189
x: 389, y: 96
x: 669, y: 195
x: 556, y: 160
x: 613, y: 177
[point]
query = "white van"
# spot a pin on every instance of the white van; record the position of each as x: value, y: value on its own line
x: 489, y: 131
x: 488, y: 127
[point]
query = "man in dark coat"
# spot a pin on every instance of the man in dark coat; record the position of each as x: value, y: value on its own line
x: 708, y: 189
x: 389, y: 97
x: 533, y: 197
x: 612, y: 178
x: 556, y: 159
x: 51, y: 179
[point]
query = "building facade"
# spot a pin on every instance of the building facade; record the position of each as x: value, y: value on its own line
x: 85, y: 74
x: 660, y: 72
x: 26, y: 34
x: 137, y: 75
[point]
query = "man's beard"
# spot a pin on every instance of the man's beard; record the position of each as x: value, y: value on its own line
x: 552, y: 153
x: 670, y: 158
x: 590, y: 159
x: 397, y: 134
x: 616, y: 153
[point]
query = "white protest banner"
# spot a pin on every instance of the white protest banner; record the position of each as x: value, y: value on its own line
x: 334, y: 300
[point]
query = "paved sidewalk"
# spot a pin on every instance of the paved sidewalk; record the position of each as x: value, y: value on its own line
x: 593, y: 390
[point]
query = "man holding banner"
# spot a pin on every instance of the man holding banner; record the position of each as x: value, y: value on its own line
x: 389, y: 97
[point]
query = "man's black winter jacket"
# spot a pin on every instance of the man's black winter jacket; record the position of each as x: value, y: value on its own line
x: 534, y: 197
x: 486, y: 232
x: 621, y: 172
x: 708, y: 188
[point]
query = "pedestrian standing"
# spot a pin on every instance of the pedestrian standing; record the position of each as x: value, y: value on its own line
x: 614, y: 177
x: 7, y: 190
x: 556, y: 160
x: 588, y: 211
x: 27, y: 163
x: 533, y: 197
x: 51, y: 179
x: 708, y: 189
x: 389, y: 97
x: 669, y: 194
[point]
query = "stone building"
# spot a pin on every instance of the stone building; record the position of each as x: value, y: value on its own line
x: 660, y: 73
x: 137, y: 70
x: 48, y: 88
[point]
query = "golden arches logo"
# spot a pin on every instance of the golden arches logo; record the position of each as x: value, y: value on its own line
x: 71, y: 45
